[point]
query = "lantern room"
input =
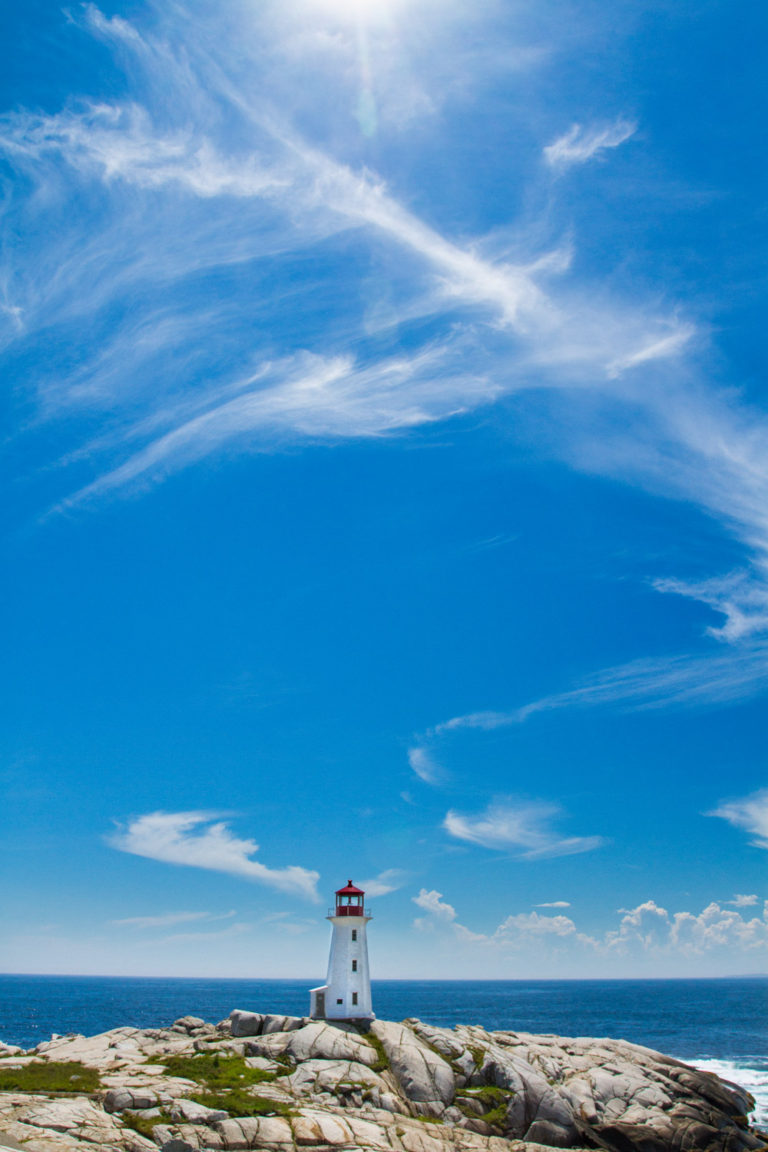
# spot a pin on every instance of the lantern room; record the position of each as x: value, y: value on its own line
x: 350, y: 901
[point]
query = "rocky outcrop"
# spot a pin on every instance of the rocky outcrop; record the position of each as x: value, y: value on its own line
x: 384, y: 1087
x: 423, y: 1076
x: 315, y: 1040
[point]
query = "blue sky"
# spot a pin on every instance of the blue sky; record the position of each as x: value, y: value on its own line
x: 385, y: 486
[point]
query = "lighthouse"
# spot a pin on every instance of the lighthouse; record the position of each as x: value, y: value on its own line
x: 346, y: 994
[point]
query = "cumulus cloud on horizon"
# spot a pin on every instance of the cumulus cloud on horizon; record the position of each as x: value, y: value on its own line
x: 646, y: 930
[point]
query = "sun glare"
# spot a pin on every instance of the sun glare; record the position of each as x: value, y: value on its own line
x: 356, y: 10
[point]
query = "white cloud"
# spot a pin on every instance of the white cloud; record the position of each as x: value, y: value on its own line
x: 296, y: 927
x: 110, y: 27
x: 743, y: 901
x: 555, y: 904
x: 647, y: 925
x: 232, y: 930
x: 738, y: 596
x: 289, y: 195
x: 646, y: 931
x: 432, y: 902
x: 660, y: 349
x: 387, y: 881
x: 651, y: 928
x: 423, y: 764
x: 751, y: 814
x: 730, y: 674
x: 197, y: 171
x: 312, y: 397
x: 525, y: 825
x: 580, y: 144
x: 192, y: 839
x: 518, y: 930
x: 114, y: 142
x: 440, y: 915
x: 168, y: 919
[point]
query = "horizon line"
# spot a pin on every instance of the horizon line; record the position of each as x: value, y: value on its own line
x: 390, y: 979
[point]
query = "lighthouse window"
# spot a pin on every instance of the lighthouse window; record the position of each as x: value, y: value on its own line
x: 339, y: 1001
x: 354, y: 965
x: 354, y: 997
x: 354, y: 934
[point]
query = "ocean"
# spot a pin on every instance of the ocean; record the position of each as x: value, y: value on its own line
x: 719, y: 1025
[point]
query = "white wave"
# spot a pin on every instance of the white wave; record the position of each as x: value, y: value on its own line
x: 748, y: 1072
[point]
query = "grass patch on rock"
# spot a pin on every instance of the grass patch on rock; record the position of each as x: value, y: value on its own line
x: 382, y: 1060
x: 215, y: 1071
x: 495, y: 1100
x: 238, y: 1102
x: 50, y: 1076
x: 144, y: 1125
x: 497, y: 1117
x: 489, y: 1093
x: 224, y: 1083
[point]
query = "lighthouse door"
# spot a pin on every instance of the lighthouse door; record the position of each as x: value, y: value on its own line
x: 320, y: 1005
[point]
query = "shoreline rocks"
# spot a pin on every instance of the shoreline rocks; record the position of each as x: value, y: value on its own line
x: 380, y: 1086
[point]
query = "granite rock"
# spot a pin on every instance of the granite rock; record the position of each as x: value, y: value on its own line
x: 432, y: 1090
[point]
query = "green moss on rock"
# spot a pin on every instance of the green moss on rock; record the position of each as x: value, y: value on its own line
x: 67, y: 1076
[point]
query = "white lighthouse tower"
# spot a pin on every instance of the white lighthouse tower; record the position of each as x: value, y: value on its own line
x: 346, y: 994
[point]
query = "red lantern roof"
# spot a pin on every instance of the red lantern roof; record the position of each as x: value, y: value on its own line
x: 350, y: 890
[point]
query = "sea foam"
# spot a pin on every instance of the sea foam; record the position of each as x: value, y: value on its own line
x: 749, y: 1072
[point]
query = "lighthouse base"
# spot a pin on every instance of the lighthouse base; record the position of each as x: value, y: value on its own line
x: 320, y: 1007
x: 317, y: 1002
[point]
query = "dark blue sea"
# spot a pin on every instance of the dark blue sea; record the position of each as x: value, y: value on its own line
x: 720, y: 1025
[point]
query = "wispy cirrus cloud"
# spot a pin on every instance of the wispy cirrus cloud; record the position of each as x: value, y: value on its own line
x: 390, y: 880
x: 641, y: 684
x: 738, y: 596
x: 424, y: 765
x: 580, y: 144
x: 526, y: 828
x: 701, y: 449
x: 170, y: 919
x: 726, y: 676
x: 173, y: 198
x: 749, y: 814
x: 231, y: 931
x: 315, y: 397
x: 149, y: 209
x: 109, y: 27
x: 198, y: 840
